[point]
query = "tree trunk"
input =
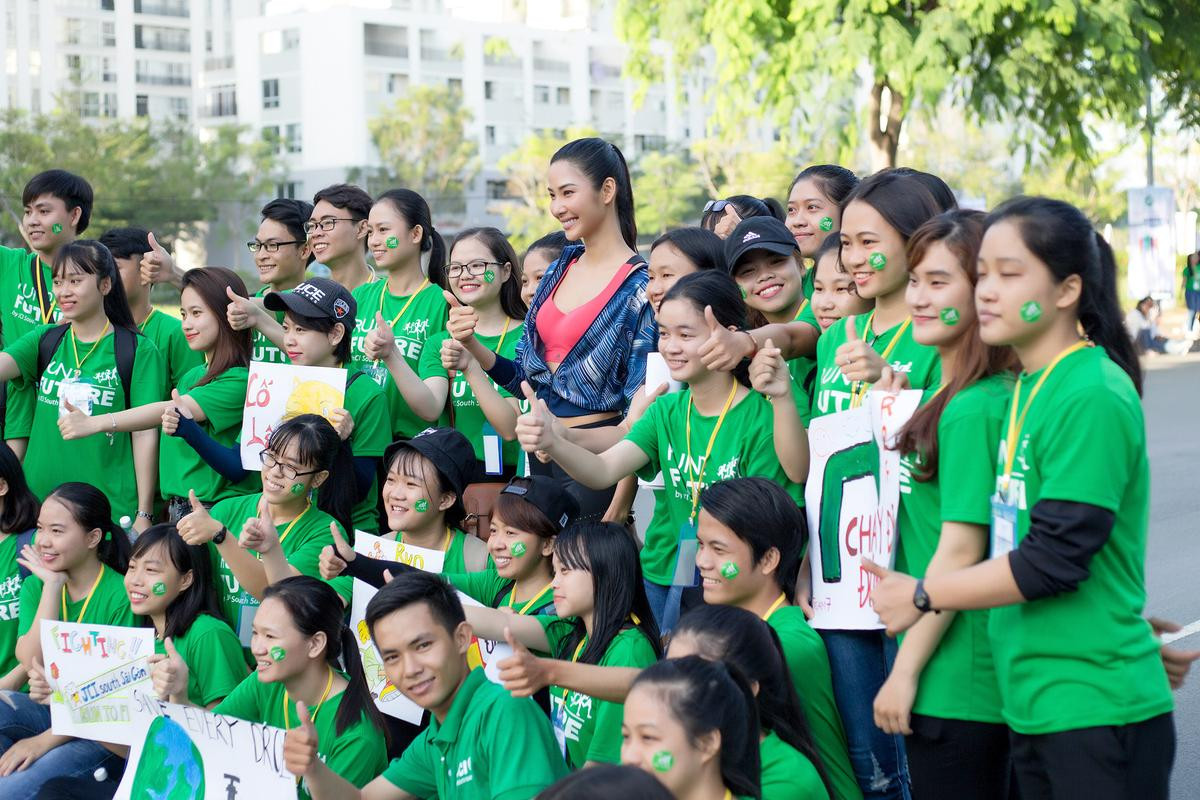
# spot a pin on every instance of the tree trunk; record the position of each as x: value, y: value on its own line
x: 886, y: 140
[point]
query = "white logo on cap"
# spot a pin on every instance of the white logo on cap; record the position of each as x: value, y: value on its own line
x: 340, y: 308
x: 311, y: 292
x: 750, y: 236
x: 562, y: 521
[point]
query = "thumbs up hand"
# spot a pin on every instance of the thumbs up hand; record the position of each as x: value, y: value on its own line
x: 342, y: 422
x: 523, y: 674
x: 198, y: 527
x: 769, y: 373
x: 169, y: 673
x: 538, y: 429
x: 157, y: 265
x: 455, y: 356
x: 462, y: 320
x: 334, y: 557
x: 300, y: 744
x: 39, y: 687
x: 172, y: 413
x: 725, y: 347
x: 259, y: 533
x: 892, y: 597
x: 241, y: 311
x: 380, y: 343
x: 75, y: 424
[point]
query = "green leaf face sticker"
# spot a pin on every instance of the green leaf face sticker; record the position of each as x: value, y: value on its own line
x: 743, y: 291
x: 877, y: 261
x: 826, y: 224
x: 517, y: 549
x: 1031, y: 311
x: 56, y: 227
x: 392, y: 242
x: 662, y: 761
x: 159, y: 589
x: 949, y: 316
x: 297, y: 488
x: 421, y: 505
x: 729, y: 570
x: 489, y: 276
x: 278, y: 654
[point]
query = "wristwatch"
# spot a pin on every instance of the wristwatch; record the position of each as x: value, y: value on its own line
x: 921, y: 598
x: 219, y: 536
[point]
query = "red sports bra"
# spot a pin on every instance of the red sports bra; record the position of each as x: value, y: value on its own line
x: 562, y: 331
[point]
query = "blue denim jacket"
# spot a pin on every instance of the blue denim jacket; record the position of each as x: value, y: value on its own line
x: 605, y: 367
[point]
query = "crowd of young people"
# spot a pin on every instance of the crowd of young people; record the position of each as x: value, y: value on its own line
x: 504, y: 409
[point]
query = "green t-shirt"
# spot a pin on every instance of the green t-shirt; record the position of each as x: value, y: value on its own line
x: 744, y: 447
x: 10, y: 602
x: 832, y: 392
x: 213, y: 656
x: 180, y: 467
x: 468, y: 416
x: 787, y: 774
x: 262, y: 348
x: 301, y: 544
x: 808, y: 664
x: 372, y: 433
x: 357, y: 754
x: 167, y: 334
x: 802, y: 368
x: 1087, y: 657
x: 424, y: 317
x: 959, y: 680
x: 109, y: 605
x: 491, y: 746
x: 487, y: 587
x: 592, y: 727
x: 1192, y: 276
x: 24, y: 315
x: 107, y: 463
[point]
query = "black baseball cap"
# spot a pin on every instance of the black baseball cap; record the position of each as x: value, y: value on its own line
x: 320, y: 298
x: 447, y: 448
x: 546, y: 495
x: 758, y: 233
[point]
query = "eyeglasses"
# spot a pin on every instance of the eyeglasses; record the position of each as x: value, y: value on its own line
x: 270, y: 461
x: 715, y: 206
x: 472, y: 268
x: 325, y: 223
x: 270, y: 247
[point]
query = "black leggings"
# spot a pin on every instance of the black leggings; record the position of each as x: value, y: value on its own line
x: 592, y: 502
x: 951, y: 758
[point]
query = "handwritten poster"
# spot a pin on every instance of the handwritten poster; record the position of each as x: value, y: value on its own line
x: 852, y: 498
x: 92, y: 671
x: 389, y: 699
x: 180, y: 752
x: 276, y: 393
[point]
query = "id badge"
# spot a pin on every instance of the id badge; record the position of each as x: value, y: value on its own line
x: 686, y: 571
x: 378, y: 373
x: 560, y: 725
x: 77, y: 393
x: 246, y: 620
x: 493, y: 461
x: 1004, y: 525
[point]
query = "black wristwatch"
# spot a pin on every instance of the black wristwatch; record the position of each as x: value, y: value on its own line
x: 921, y: 598
x: 220, y: 535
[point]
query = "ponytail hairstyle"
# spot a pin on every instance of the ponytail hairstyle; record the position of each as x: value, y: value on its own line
x: 746, y: 206
x: 835, y: 182
x: 91, y: 509
x: 552, y: 243
x: 316, y: 608
x: 416, y: 212
x: 701, y: 246
x: 91, y: 257
x: 502, y: 252
x: 600, y: 160
x: 1063, y: 239
x: 232, y: 348
x: 721, y: 292
x: 739, y: 637
x: 706, y: 696
x: 318, y: 444
x: 960, y: 232
x: 609, y: 553
x: 763, y: 515
x: 201, y: 596
x: 21, y: 506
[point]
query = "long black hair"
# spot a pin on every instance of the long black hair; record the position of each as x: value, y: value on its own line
x: 902, y: 199
x: 502, y: 252
x: 721, y: 292
x: 91, y: 257
x: 706, y: 696
x: 600, y: 160
x: 91, y: 509
x: 943, y: 195
x: 233, y: 347
x: 608, y: 552
x: 315, y: 608
x: 699, y: 245
x: 318, y: 444
x: 201, y: 596
x: 834, y: 181
x: 416, y: 212
x: 1063, y: 239
x: 763, y: 515
x: 20, y: 504
x: 746, y: 206
x: 606, y: 781
x: 741, y: 638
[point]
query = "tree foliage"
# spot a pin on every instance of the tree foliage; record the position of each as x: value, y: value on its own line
x: 667, y: 192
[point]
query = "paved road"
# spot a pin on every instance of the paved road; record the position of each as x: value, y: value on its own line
x: 1172, y: 405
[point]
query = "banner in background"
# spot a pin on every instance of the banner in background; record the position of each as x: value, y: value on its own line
x: 1151, y: 242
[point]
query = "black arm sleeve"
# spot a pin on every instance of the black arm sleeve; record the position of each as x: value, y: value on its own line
x: 370, y: 570
x: 226, y: 461
x: 364, y: 476
x: 1054, y: 557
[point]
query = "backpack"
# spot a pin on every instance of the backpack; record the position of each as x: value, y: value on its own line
x: 24, y: 538
x: 124, y: 343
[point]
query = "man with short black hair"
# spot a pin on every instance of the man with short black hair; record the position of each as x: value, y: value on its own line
x: 337, y: 232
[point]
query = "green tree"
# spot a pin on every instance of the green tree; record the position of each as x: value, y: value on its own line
x: 729, y: 167
x: 667, y: 192
x: 423, y: 144
x: 526, y: 210
x: 1051, y: 66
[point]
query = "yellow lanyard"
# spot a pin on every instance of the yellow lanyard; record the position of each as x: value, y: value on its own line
x: 292, y: 524
x: 445, y: 543
x: 503, y: 333
x: 859, y: 390
x: 525, y: 608
x: 40, y: 284
x: 728, y: 794
x: 75, y: 346
x: 86, y: 602
x: 1015, y: 423
x: 800, y: 311
x: 142, y: 327
x: 287, y: 717
x: 696, y: 479
x: 412, y: 297
x: 774, y: 607
x: 578, y: 649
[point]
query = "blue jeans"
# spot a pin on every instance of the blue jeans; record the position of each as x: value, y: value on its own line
x: 77, y: 758
x: 664, y: 602
x: 860, y: 662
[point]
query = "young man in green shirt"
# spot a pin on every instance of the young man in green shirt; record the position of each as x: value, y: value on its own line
x: 57, y: 208
x: 281, y: 255
x: 481, y: 743
x: 337, y: 233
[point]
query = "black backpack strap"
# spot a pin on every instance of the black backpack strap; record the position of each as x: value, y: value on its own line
x: 125, y: 344
x: 42, y: 286
x: 509, y: 586
x: 47, y: 346
x: 350, y: 381
x: 24, y: 538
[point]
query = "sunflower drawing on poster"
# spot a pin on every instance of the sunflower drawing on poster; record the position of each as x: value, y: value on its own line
x: 276, y: 393
x: 852, y: 499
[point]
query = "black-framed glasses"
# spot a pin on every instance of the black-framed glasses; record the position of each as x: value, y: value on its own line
x: 715, y: 206
x: 269, y: 461
x: 325, y: 223
x: 270, y: 247
x: 472, y: 268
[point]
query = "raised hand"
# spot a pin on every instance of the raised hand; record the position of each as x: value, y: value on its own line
x: 334, y: 557
x: 342, y: 422
x: 728, y: 221
x: 198, y: 527
x: 725, y: 347
x: 31, y: 560
x: 892, y: 598
x: 462, y: 320
x: 259, y: 533
x: 381, y: 341
x: 169, y: 672
x: 39, y: 687
x: 75, y: 424
x: 300, y: 743
x: 156, y: 265
x: 769, y: 373
x: 858, y: 361
x: 241, y: 311
x: 523, y: 674
x: 538, y: 429
x: 172, y: 413
x: 455, y: 357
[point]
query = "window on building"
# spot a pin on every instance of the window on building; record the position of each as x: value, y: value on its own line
x: 292, y: 138
x: 454, y: 84
x: 489, y: 134
x: 270, y: 93
x: 89, y: 104
x: 108, y: 34
x: 143, y: 105
x: 289, y: 190
x: 497, y: 190
x: 179, y: 107
x: 222, y: 101
x: 397, y: 82
x: 541, y: 94
x: 489, y: 90
x: 270, y: 135
x: 110, y: 104
x: 155, y: 37
x: 563, y: 95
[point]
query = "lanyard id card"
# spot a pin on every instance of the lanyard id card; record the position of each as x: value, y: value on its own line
x: 1004, y: 523
x: 686, y: 572
x: 493, y: 460
x: 559, y: 719
x: 246, y: 612
x: 76, y: 392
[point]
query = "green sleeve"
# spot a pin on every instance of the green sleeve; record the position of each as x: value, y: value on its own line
x: 760, y: 459
x: 24, y: 351
x: 307, y: 557
x: 372, y: 427
x: 808, y: 315
x: 242, y: 702
x: 627, y: 650
x: 644, y: 434
x: 413, y: 771
x: 223, y: 399
x: 357, y: 754
x: 344, y: 586
x: 217, y: 662
x: 31, y: 596
x: 523, y: 758
x: 430, y: 363
x: 149, y: 375
x: 1090, y: 460
x: 557, y: 630
x: 967, y: 456
x: 483, y: 585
